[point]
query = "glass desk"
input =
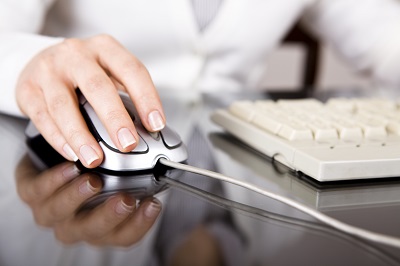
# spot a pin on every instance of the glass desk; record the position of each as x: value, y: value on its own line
x: 208, y: 221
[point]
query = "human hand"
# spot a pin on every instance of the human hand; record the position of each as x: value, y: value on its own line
x: 56, y: 195
x: 99, y: 67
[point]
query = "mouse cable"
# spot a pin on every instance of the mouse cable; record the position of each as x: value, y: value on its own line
x: 349, y: 229
x: 280, y: 219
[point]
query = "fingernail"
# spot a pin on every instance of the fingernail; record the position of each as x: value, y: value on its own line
x: 125, y: 137
x: 70, y: 152
x: 156, y: 121
x: 88, y: 154
x: 86, y: 188
x: 123, y: 207
x: 70, y: 172
x: 153, y: 209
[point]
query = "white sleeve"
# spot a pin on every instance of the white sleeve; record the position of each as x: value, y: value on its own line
x: 365, y: 32
x: 20, y: 23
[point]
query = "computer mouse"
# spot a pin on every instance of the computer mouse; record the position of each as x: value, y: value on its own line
x: 151, y: 146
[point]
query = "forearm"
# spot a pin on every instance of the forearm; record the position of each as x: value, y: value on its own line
x: 20, y: 23
x: 364, y: 33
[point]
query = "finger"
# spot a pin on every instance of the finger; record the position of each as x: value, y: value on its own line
x: 33, y: 104
x: 63, y: 105
x: 117, y: 84
x: 139, y: 223
x: 100, y: 91
x: 94, y: 225
x: 133, y: 75
x: 34, y: 187
x: 64, y: 203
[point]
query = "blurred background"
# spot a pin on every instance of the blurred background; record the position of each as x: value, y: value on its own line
x: 303, y: 60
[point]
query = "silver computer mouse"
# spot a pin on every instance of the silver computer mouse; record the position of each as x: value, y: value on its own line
x: 151, y: 147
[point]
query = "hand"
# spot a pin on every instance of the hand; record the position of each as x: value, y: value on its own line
x: 56, y: 195
x: 98, y: 66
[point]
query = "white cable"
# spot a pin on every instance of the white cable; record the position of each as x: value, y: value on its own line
x: 349, y: 229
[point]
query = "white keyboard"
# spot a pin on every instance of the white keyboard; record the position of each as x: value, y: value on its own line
x: 341, y: 139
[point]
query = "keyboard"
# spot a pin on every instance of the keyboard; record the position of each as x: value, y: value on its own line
x: 340, y: 139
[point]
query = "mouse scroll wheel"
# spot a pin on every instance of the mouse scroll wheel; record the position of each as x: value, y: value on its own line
x: 170, y: 137
x: 155, y: 135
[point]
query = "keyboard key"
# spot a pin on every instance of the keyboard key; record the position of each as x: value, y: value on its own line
x: 323, y: 131
x: 291, y: 130
x: 268, y: 122
x: 243, y: 110
x: 348, y: 131
x: 393, y: 126
x: 373, y: 129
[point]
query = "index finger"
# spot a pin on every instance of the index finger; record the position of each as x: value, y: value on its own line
x: 34, y: 186
x: 133, y: 75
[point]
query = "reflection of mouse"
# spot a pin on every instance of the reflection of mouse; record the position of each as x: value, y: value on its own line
x: 139, y: 184
x: 151, y: 147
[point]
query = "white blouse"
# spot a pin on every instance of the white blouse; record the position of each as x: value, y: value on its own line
x: 229, y: 54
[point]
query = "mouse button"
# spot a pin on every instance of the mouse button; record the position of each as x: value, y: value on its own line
x: 82, y: 99
x: 141, y: 147
x: 170, y: 137
x: 96, y: 126
x: 103, y: 134
x: 131, y: 114
x: 130, y: 108
x: 155, y: 135
x: 31, y: 131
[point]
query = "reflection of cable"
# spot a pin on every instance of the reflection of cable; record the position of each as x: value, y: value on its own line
x: 352, y: 230
x: 280, y: 219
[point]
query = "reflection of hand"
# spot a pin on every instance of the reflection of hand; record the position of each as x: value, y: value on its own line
x: 56, y: 194
x: 99, y: 66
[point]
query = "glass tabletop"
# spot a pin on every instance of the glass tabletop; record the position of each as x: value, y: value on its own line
x: 203, y: 221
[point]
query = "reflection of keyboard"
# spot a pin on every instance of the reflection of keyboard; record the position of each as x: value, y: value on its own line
x: 338, y: 140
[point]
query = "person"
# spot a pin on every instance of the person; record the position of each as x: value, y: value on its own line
x: 101, y: 43
x: 50, y: 48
